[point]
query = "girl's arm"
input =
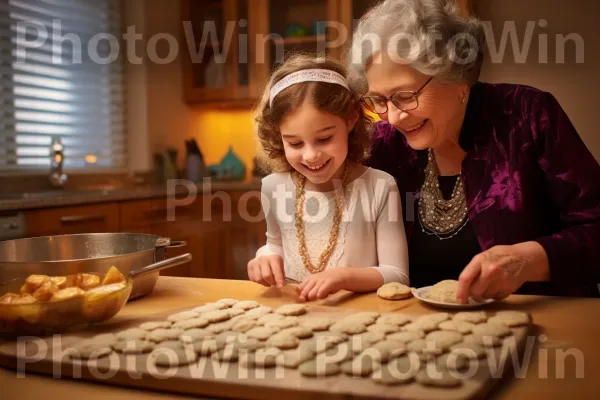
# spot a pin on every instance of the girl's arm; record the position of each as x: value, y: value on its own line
x: 269, y: 204
x: 392, y: 246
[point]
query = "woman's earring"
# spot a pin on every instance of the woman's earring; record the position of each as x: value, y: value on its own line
x: 463, y: 99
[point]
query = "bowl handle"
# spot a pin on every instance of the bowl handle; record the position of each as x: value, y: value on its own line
x: 164, y: 242
x: 157, y: 266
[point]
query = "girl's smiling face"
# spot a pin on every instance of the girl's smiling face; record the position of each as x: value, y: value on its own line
x: 315, y: 142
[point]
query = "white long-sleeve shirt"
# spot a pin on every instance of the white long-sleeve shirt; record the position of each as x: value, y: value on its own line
x: 371, y: 231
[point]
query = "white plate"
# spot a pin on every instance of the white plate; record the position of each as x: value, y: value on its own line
x: 420, y: 294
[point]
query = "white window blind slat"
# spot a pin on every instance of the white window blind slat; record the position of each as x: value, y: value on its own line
x: 46, y: 94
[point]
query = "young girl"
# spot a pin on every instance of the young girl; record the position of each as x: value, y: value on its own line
x: 323, y: 209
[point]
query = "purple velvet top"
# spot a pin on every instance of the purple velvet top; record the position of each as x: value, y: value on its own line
x: 527, y: 176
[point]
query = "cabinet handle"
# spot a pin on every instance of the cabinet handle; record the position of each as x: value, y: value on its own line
x: 75, y: 219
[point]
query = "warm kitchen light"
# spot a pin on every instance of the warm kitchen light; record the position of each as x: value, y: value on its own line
x: 91, y: 158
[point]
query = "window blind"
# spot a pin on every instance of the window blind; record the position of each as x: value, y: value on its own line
x: 60, y: 76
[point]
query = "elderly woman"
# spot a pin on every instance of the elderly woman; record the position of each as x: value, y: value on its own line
x: 499, y: 190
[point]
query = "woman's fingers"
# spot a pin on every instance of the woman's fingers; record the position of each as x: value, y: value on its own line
x: 466, y: 278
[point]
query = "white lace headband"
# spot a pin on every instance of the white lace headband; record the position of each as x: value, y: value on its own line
x: 307, y: 75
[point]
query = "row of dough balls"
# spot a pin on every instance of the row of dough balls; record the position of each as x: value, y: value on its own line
x: 361, y: 344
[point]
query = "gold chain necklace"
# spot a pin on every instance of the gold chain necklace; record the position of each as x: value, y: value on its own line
x: 333, y: 235
x: 444, y: 218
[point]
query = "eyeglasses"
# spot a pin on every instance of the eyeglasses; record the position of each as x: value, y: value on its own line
x: 404, y: 100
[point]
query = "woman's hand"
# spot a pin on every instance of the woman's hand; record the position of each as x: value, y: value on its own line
x: 322, y: 284
x: 267, y: 270
x: 499, y: 271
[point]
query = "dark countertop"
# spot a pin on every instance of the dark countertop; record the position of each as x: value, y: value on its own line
x: 58, y: 198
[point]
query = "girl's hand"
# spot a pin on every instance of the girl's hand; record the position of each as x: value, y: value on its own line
x: 322, y: 284
x: 501, y: 270
x: 267, y: 270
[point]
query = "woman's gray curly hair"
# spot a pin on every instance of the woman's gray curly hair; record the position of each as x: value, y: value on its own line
x: 432, y: 36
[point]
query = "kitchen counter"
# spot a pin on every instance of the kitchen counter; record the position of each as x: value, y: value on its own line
x: 57, y: 198
x: 567, y: 325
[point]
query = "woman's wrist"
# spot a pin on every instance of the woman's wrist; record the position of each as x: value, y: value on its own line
x: 537, y: 267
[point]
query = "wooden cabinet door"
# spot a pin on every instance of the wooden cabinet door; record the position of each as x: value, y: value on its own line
x: 218, y: 66
x: 96, y: 218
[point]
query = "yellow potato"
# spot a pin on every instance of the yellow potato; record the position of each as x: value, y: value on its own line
x: 63, y: 282
x: 113, y: 276
x: 46, y: 291
x: 33, y: 283
x: 67, y: 293
x: 87, y: 281
x: 8, y: 298
x: 102, y: 302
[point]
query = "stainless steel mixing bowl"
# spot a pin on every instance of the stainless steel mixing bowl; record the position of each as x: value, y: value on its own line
x: 91, y: 252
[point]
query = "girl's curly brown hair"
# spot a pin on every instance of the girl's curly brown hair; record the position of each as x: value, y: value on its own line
x: 327, y: 97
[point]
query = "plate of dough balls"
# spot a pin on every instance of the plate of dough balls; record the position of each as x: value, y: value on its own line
x: 443, y: 294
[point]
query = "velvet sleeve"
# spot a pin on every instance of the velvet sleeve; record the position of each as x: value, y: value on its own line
x: 573, y: 179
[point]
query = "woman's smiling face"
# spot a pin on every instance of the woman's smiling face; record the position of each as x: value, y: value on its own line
x: 438, y: 117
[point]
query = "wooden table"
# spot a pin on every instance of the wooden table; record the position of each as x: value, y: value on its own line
x: 570, y: 326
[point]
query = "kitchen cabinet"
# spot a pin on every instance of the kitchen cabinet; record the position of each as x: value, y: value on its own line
x: 223, y: 231
x: 72, y: 220
x: 221, y: 36
x: 252, y: 36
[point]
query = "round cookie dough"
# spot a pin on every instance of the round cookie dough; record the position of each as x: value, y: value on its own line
x: 217, y: 316
x: 279, y: 324
x: 317, y: 324
x: 269, y: 317
x: 169, y: 344
x: 394, y: 291
x: 293, y: 358
x: 183, y: 315
x: 292, y: 309
x: 359, y: 366
x: 88, y: 350
x: 227, y: 302
x: 384, y: 328
x: 313, y: 368
x: 407, y: 336
x: 258, y: 312
x: 444, y: 339
x: 265, y: 358
x: 471, y: 350
x: 301, y: 332
x: 394, y: 319
x: 210, y: 307
x: 261, y: 332
x: 283, y: 341
x: 162, y: 335
x: 457, y: 326
x: 399, y: 371
x: 442, y: 378
x: 349, y: 327
x: 474, y: 317
x: 166, y: 357
x: 510, y: 318
x: 134, y: 346
x: 193, y: 335
x: 491, y: 329
x: 365, y: 317
x: 246, y: 305
x: 152, y: 325
x: 191, y: 323
x: 132, y: 333
x: 244, y: 325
